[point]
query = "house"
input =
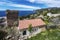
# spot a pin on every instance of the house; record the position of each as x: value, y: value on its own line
x: 49, y: 14
x: 53, y: 15
x: 37, y: 26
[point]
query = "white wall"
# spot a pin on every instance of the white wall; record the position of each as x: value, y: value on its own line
x: 5, y: 20
x: 50, y: 14
x: 35, y: 31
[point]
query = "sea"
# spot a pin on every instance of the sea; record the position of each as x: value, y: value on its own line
x: 20, y: 13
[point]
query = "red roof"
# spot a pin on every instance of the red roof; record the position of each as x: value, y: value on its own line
x: 25, y: 23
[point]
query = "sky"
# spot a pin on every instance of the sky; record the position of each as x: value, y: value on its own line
x: 28, y: 5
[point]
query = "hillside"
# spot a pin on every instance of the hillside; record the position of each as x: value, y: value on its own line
x: 53, y: 10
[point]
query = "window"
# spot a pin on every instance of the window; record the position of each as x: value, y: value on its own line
x: 24, y: 32
x: 34, y: 29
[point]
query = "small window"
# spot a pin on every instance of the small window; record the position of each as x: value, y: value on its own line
x: 24, y: 32
x: 34, y: 29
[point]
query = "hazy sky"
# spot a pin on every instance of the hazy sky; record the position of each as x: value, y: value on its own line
x: 28, y: 4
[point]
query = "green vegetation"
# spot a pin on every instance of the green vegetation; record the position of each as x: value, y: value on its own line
x: 12, y: 32
x: 3, y: 34
x: 39, y: 12
x: 52, y: 34
x: 52, y: 10
x: 30, y: 28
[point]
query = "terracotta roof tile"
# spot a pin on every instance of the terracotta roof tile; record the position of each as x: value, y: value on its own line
x: 25, y: 23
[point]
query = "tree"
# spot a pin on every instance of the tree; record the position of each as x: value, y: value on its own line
x: 30, y: 28
x: 44, y: 13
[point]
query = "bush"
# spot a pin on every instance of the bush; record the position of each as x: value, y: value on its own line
x: 52, y: 34
x: 2, y: 34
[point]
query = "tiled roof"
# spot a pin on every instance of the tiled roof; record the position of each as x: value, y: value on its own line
x: 25, y: 23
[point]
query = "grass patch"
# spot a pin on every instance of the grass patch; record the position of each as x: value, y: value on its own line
x: 52, y: 34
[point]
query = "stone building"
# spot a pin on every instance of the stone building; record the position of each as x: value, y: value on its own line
x: 12, y: 17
